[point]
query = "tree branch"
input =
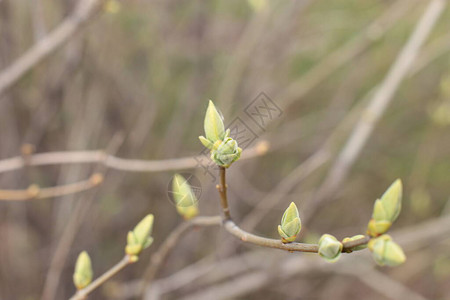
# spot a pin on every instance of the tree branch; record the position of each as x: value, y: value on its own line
x: 222, y: 188
x: 36, y: 192
x: 247, y: 237
x: 114, y: 162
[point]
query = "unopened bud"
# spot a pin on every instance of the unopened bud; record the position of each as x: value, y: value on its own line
x: 140, y: 238
x: 290, y: 224
x: 330, y: 248
x: 213, y: 125
x: 386, y: 252
x: 185, y: 199
x: 226, y: 153
x: 386, y: 210
x: 82, y: 276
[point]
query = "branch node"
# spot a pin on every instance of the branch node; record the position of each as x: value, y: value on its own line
x: 33, y: 191
x: 96, y: 179
x: 26, y: 150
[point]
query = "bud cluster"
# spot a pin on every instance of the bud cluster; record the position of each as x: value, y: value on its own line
x: 385, y: 211
x: 139, y: 238
x: 386, y: 252
x: 82, y: 276
x: 224, y: 149
x: 290, y: 224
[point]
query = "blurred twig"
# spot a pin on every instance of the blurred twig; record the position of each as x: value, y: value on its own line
x: 67, y: 237
x: 380, y: 282
x: 346, y: 53
x: 36, y: 192
x: 376, y: 108
x: 159, y: 257
x: 324, y: 153
x: 192, y: 273
x: 117, y: 163
x: 45, y: 46
x: 300, y: 88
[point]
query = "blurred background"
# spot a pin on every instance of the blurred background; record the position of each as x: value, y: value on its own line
x: 293, y: 80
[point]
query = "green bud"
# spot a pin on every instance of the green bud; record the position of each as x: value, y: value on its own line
x: 386, y: 252
x: 226, y: 153
x: 207, y: 143
x: 188, y: 212
x: 330, y: 248
x: 214, y: 128
x: 391, y: 202
x: 139, y: 238
x: 386, y: 209
x: 185, y: 199
x: 355, y: 238
x: 290, y: 224
x: 82, y: 276
x: 375, y: 228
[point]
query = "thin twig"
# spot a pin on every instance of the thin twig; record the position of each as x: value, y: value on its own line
x: 411, y: 238
x: 379, y: 282
x: 247, y: 237
x: 117, y: 163
x: 222, y: 188
x: 36, y: 192
x: 108, y: 161
x: 82, y: 294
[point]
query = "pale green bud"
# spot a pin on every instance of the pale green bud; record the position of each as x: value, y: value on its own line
x: 82, y: 276
x: 139, y: 238
x: 207, y: 143
x: 386, y: 252
x: 355, y: 238
x: 391, y: 202
x: 214, y: 128
x: 290, y: 224
x: 386, y: 209
x: 330, y: 248
x: 226, y: 153
x: 375, y: 228
x: 185, y: 199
